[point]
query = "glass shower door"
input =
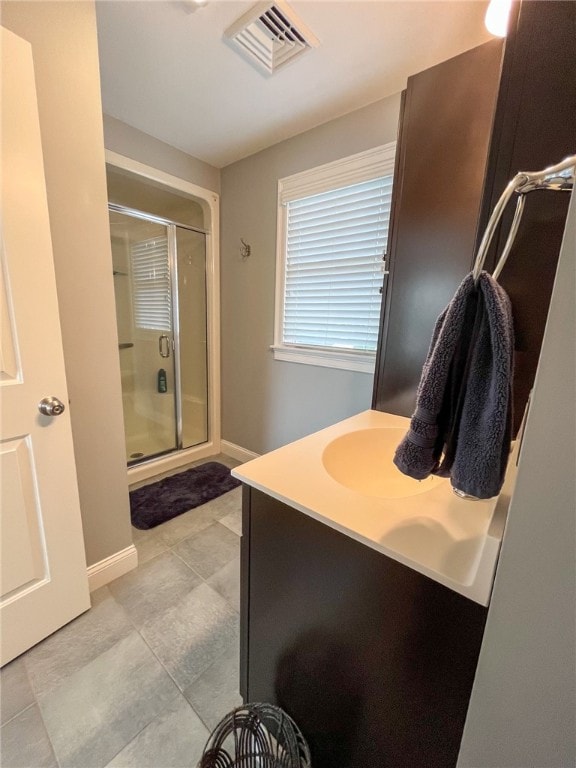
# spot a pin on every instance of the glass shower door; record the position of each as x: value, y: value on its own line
x: 143, y: 289
x: 192, y: 335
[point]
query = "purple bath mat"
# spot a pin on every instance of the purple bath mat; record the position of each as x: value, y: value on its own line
x: 158, y: 502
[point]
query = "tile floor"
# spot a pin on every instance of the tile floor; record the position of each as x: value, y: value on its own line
x: 144, y: 676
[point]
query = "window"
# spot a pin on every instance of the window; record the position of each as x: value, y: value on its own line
x: 332, y: 234
x: 151, y: 284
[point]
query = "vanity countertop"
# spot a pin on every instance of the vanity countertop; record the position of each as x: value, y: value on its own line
x: 424, y: 525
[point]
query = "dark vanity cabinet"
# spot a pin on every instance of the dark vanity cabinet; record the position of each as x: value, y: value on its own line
x: 468, y: 126
x: 374, y: 661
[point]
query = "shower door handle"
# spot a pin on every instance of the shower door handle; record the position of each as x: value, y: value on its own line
x: 164, y: 345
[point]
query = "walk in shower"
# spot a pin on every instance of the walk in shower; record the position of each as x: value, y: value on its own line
x: 159, y: 268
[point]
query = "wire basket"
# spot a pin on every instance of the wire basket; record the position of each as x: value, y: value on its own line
x: 256, y: 736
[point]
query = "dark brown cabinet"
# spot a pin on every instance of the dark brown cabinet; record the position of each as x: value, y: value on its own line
x: 534, y: 127
x: 443, y: 144
x: 374, y: 661
x: 495, y: 116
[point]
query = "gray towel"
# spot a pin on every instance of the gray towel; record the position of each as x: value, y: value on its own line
x: 463, y: 420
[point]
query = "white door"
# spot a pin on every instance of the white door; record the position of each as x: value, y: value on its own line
x: 43, y: 578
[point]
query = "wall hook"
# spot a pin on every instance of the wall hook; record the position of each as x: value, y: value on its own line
x: 245, y: 249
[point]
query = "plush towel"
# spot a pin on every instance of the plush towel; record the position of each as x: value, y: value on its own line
x: 462, y: 424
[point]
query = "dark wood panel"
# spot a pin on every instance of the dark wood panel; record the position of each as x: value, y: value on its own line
x: 374, y: 661
x: 535, y: 126
x: 390, y: 263
x: 446, y: 128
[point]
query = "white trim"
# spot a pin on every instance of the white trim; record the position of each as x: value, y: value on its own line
x: 112, y: 567
x: 281, y: 228
x: 378, y: 161
x: 362, y: 362
x: 210, y: 202
x: 154, y: 174
x: 237, y: 452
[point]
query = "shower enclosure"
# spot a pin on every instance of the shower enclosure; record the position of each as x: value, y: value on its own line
x: 160, y: 288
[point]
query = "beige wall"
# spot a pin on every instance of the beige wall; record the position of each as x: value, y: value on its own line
x: 63, y: 38
x: 267, y: 403
x: 132, y: 143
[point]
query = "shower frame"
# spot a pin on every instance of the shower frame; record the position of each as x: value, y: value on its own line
x: 171, y: 227
x: 210, y: 203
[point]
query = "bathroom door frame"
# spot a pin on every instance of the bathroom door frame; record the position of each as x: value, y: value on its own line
x: 210, y: 203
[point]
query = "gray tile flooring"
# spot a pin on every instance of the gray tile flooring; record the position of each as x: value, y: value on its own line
x: 143, y: 677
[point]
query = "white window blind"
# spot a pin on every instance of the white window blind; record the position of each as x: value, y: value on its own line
x: 152, y: 299
x: 335, y: 242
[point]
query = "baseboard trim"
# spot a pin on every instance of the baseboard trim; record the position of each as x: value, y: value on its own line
x: 112, y: 567
x: 237, y: 452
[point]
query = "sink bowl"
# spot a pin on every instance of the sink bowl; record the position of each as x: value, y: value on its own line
x: 362, y: 461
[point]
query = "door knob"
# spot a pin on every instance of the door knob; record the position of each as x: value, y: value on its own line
x: 51, y: 406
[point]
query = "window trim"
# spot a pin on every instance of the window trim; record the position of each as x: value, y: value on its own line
x: 363, y: 166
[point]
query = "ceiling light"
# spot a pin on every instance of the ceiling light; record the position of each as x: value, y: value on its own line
x: 496, y: 18
x: 192, y: 5
x: 270, y: 35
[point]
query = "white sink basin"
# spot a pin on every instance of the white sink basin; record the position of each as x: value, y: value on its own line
x: 343, y: 476
x: 362, y: 461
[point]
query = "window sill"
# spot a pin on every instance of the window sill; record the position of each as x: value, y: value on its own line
x: 361, y: 362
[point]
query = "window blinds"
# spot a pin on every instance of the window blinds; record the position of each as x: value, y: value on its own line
x: 152, y: 300
x: 335, y: 242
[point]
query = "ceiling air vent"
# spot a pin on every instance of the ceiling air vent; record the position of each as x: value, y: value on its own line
x: 270, y: 35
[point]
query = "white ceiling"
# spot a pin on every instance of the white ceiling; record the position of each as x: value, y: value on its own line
x: 169, y: 73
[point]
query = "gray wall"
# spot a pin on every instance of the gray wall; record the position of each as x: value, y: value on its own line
x: 130, y: 142
x: 63, y: 38
x: 524, y: 699
x: 267, y: 403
